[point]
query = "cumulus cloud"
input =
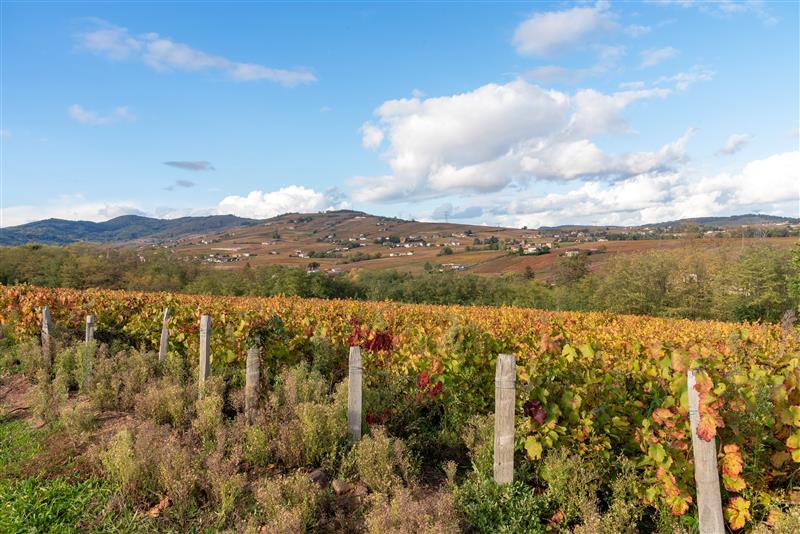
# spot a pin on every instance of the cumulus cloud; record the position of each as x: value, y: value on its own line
x: 162, y: 54
x: 546, y: 33
x: 294, y: 198
x: 734, y: 144
x: 769, y: 184
x: 72, y: 207
x: 87, y: 116
x: 191, y: 165
x: 653, y: 56
x: 371, y: 135
x: 484, y: 139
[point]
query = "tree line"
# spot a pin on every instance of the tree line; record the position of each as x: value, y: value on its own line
x: 760, y: 282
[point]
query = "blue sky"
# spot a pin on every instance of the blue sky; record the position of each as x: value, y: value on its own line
x: 525, y: 113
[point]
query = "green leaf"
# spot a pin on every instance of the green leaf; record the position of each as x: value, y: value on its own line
x: 533, y: 448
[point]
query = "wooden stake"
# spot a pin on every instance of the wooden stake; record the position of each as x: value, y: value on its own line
x: 706, y: 476
x: 354, y: 395
x: 252, y: 379
x: 163, y: 345
x: 89, y: 328
x: 504, y: 404
x: 205, y: 353
x: 47, y: 336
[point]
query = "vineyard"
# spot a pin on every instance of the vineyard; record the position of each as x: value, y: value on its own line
x: 603, y: 387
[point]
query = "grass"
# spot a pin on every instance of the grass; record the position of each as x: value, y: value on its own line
x: 18, y: 443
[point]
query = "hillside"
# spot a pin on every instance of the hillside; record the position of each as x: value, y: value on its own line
x: 118, y: 230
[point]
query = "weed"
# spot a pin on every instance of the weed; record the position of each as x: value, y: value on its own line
x: 381, y: 461
x: 288, y: 503
x: 432, y: 513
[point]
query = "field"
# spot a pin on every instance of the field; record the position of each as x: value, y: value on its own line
x: 602, y: 429
x: 281, y: 240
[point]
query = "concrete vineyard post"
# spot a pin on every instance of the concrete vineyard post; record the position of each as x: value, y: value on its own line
x: 163, y: 344
x: 706, y: 476
x: 504, y: 404
x: 252, y: 379
x: 47, y: 336
x: 354, y: 395
x: 89, y: 328
x: 205, y: 353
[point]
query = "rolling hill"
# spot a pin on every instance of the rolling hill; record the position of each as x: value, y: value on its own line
x: 122, y: 229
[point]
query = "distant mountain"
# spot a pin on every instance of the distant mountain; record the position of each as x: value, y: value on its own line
x: 749, y: 219
x: 118, y: 230
x: 135, y: 228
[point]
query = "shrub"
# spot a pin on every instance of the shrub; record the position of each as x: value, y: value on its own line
x: 78, y: 420
x: 323, y: 428
x: 257, y: 441
x: 165, y: 402
x: 45, y: 400
x: 224, y: 480
x: 131, y: 460
x: 288, y: 503
x: 297, y: 385
x: 121, y: 465
x: 504, y: 509
x: 208, y: 416
x: 178, y: 474
x: 403, y: 514
x: 478, y: 436
x: 381, y: 461
x: 119, y: 380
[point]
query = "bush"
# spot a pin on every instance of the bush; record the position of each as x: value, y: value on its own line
x: 165, y: 402
x: 478, y: 435
x: 504, y: 509
x: 132, y: 459
x: 381, y: 461
x: 178, y: 474
x: 225, y: 482
x: 78, y: 420
x: 288, y: 503
x: 119, y: 380
x: 297, y: 385
x: 323, y: 428
x: 403, y: 514
x: 208, y: 416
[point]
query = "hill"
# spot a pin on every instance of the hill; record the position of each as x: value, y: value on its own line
x: 122, y: 229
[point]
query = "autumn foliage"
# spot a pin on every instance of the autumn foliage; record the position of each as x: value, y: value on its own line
x: 602, y: 384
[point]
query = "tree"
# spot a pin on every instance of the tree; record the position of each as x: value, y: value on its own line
x: 313, y: 266
x: 446, y: 251
x: 529, y: 274
x: 572, y: 268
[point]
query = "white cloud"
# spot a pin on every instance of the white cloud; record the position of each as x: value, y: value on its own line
x: 73, y: 207
x: 654, y: 56
x: 371, y: 135
x: 771, y: 184
x: 263, y: 205
x: 161, y: 53
x: 722, y: 8
x: 549, y: 32
x: 636, y: 30
x: 87, y: 116
x: 734, y: 143
x: 485, y: 139
x: 683, y: 80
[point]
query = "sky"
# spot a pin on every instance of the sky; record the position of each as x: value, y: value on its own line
x: 513, y: 114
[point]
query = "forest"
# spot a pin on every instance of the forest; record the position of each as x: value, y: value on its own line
x: 754, y: 283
